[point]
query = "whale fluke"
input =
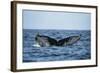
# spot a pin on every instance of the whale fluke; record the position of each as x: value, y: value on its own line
x: 45, y: 41
x: 68, y: 41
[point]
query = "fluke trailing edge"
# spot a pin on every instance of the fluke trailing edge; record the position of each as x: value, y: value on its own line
x: 45, y: 41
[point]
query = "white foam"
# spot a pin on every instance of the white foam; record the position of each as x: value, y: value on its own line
x: 36, y: 45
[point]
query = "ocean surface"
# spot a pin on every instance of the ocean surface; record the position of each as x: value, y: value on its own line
x: 81, y: 50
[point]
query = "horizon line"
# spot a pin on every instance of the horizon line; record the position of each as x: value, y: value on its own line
x: 59, y: 29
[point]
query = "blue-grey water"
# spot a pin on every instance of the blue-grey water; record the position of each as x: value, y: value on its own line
x: 80, y: 50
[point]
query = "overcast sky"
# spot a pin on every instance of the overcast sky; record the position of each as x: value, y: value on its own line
x: 56, y: 20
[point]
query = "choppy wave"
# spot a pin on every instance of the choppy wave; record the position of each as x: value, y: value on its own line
x: 81, y: 50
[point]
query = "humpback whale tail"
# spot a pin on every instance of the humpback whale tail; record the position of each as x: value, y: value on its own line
x: 45, y: 41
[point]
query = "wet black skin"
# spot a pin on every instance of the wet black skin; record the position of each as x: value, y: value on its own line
x: 68, y: 41
x: 52, y: 42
